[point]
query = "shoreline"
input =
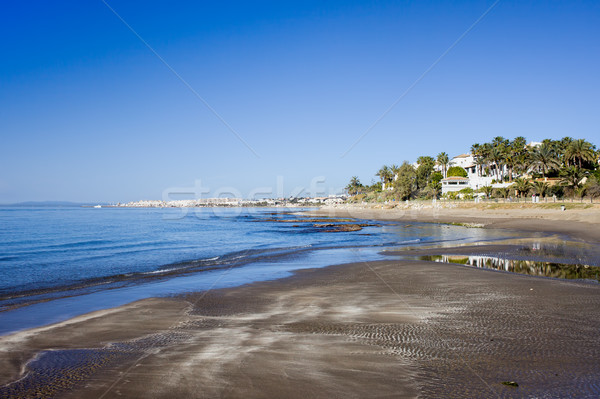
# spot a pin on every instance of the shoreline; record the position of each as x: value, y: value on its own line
x: 339, y: 330
x: 580, y: 223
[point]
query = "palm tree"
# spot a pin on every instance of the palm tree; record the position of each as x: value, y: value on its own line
x: 484, y: 156
x: 522, y: 161
x: 522, y: 186
x: 580, y: 191
x: 580, y: 151
x: 519, y: 143
x: 510, y: 160
x: 561, y: 148
x: 516, y: 155
x: 488, y: 190
x: 354, y: 186
x: 496, y: 157
x: 544, y: 157
x: 395, y: 170
x: 436, y: 187
x: 504, y: 192
x: 477, y: 152
x: 385, y: 175
x: 498, y: 154
x: 572, y: 177
x: 500, y: 142
x: 540, y: 188
x: 443, y: 160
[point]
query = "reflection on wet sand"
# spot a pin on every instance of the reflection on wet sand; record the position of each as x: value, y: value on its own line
x: 529, y: 267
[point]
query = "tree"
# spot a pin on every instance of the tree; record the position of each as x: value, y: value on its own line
x: 544, y: 158
x: 485, y: 150
x: 375, y: 187
x: 436, y: 178
x: 426, y: 160
x: 497, y: 157
x: 354, y: 186
x: 443, y: 160
x: 406, y: 184
x: 431, y: 192
x: 523, y: 161
x: 477, y: 156
x: 541, y: 188
x: 593, y: 187
x: 571, y: 177
x: 504, y: 192
x: 521, y: 186
x: 500, y: 142
x: 424, y: 171
x: 516, y: 155
x: 488, y: 190
x: 580, y: 191
x: 395, y: 169
x: 560, y: 146
x: 385, y: 175
x: 580, y: 152
x: 457, y: 171
x: 434, y: 188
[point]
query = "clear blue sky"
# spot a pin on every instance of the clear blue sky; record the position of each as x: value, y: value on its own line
x: 89, y: 113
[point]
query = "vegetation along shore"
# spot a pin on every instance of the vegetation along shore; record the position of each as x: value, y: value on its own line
x: 501, y: 169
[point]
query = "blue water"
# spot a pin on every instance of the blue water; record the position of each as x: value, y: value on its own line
x: 85, y: 259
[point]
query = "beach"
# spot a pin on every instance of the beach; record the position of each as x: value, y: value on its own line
x: 394, y: 328
x: 579, y: 220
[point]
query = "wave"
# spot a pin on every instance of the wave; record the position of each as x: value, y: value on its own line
x: 84, y: 247
x: 26, y: 294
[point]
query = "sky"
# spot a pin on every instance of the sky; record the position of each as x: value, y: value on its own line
x: 108, y: 101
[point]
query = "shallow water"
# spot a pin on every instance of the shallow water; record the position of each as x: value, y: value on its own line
x: 63, y: 262
x: 47, y: 248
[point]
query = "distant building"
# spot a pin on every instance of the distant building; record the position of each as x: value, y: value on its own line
x: 454, y: 183
x: 533, y: 144
x: 462, y: 160
x: 465, y: 161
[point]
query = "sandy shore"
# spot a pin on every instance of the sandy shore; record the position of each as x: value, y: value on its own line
x: 380, y: 329
x: 579, y: 220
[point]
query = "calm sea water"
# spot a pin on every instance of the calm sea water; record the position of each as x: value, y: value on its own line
x: 62, y: 262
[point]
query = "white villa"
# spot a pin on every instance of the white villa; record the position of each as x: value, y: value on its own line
x: 454, y: 183
x: 473, y: 180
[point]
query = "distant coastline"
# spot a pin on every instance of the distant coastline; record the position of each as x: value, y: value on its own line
x: 237, y: 202
x: 49, y: 204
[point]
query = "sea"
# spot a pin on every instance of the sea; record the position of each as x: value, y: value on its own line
x: 57, y: 263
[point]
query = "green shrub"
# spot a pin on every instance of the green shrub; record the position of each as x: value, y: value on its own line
x: 456, y: 171
x: 452, y: 195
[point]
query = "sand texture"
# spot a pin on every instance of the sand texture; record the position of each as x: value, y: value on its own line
x: 394, y: 328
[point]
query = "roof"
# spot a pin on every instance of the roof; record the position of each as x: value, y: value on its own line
x: 462, y: 156
x: 455, y: 178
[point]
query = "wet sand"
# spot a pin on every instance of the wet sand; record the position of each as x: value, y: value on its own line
x: 379, y: 329
x: 579, y: 221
